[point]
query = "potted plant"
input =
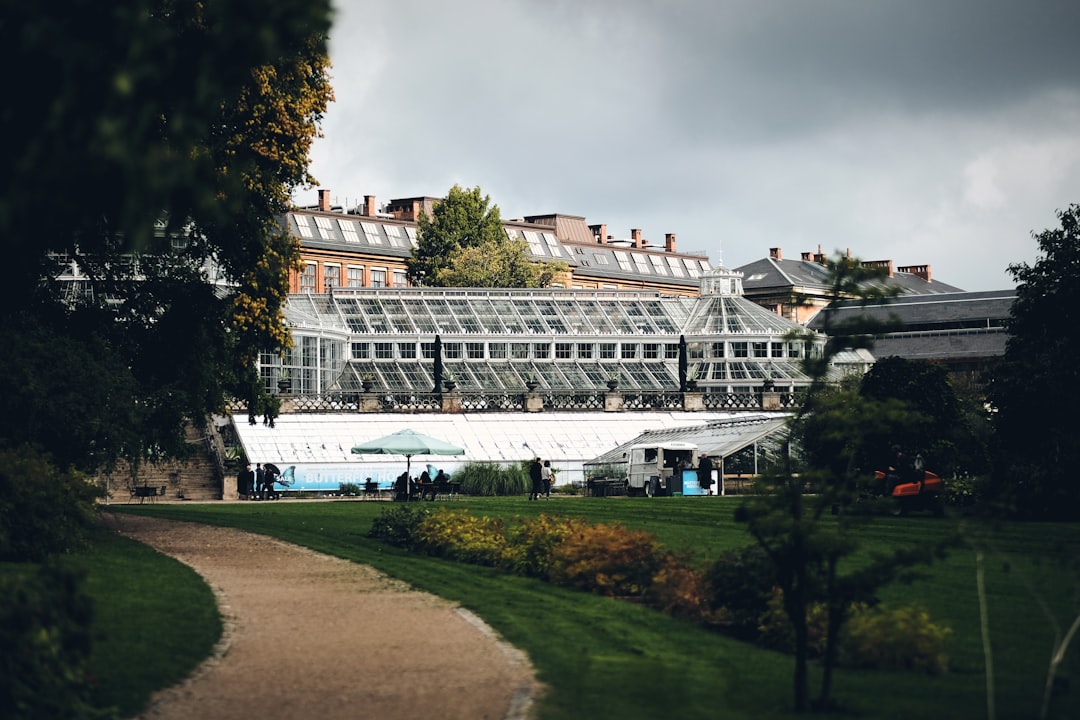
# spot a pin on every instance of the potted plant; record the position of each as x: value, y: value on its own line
x: 613, y: 381
x: 284, y: 383
x: 691, y: 379
x: 531, y: 383
x: 449, y: 381
x: 367, y: 381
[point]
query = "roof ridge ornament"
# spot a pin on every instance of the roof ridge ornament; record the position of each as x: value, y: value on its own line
x: 721, y: 281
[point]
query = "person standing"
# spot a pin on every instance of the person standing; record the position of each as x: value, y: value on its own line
x: 536, y: 477
x: 545, y: 479
x: 244, y: 482
x: 705, y: 473
x: 260, y: 481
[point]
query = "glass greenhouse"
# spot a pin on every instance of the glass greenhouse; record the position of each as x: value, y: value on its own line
x: 492, y: 340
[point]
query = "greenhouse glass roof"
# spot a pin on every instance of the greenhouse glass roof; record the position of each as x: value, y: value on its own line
x: 495, y: 340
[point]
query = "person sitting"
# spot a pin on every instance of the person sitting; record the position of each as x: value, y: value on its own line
x: 401, y: 487
x: 442, y: 477
x: 426, y: 486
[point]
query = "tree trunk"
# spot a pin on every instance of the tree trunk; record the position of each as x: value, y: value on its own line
x: 802, y: 684
x: 832, y: 632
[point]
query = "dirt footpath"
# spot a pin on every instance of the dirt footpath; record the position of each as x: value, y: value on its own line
x: 311, y: 636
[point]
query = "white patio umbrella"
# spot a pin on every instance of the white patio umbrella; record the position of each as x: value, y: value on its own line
x: 408, y: 443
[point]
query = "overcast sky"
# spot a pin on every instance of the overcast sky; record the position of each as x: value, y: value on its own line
x: 922, y: 131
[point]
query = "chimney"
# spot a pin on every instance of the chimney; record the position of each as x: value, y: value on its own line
x: 807, y: 257
x: 599, y: 232
x: 880, y: 265
x: 635, y: 236
x: 369, y: 206
x: 922, y: 271
x: 774, y: 253
x: 324, y: 200
x: 669, y: 242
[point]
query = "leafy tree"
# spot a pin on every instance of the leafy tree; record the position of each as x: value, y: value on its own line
x: 463, y: 244
x: 503, y: 264
x: 1037, y: 383
x: 926, y: 389
x: 171, y: 138
x: 793, y: 521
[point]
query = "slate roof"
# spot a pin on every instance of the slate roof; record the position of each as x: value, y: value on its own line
x: 949, y: 311
x: 770, y: 274
x: 951, y: 326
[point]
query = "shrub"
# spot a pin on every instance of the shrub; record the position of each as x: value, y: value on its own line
x: 607, y: 560
x: 533, y: 542
x: 398, y: 525
x: 492, y: 479
x: 45, y: 632
x: 962, y: 491
x: 677, y: 590
x: 873, y: 637
x: 775, y: 629
x: 458, y: 535
x: 905, y: 638
x: 43, y: 511
x: 738, y: 586
x: 346, y: 489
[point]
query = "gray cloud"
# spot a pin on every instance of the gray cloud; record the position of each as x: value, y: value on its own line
x: 939, y: 132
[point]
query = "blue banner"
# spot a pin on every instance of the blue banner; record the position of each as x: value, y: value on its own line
x: 321, y: 477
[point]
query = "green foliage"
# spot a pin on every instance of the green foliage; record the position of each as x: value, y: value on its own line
x: 874, y: 637
x: 463, y: 219
x: 607, y: 560
x: 348, y: 489
x: 463, y: 244
x: 504, y: 263
x: 399, y: 525
x: 776, y: 631
x: 204, y: 114
x: 487, y: 479
x: 45, y: 621
x: 66, y: 390
x: 943, y: 426
x: 904, y: 638
x: 533, y: 541
x: 459, y: 535
x: 963, y: 492
x: 1036, y: 452
x: 740, y: 584
x: 835, y: 427
x: 43, y: 511
x: 583, y: 645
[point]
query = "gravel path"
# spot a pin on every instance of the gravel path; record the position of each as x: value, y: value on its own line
x: 311, y: 636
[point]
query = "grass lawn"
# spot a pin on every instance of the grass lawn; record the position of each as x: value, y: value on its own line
x: 154, y: 620
x: 609, y: 659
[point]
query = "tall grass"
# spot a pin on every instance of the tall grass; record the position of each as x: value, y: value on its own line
x: 491, y: 479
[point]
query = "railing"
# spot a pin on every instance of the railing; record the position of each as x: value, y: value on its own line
x: 500, y: 401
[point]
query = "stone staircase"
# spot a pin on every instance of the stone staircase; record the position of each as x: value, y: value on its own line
x: 196, y: 478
